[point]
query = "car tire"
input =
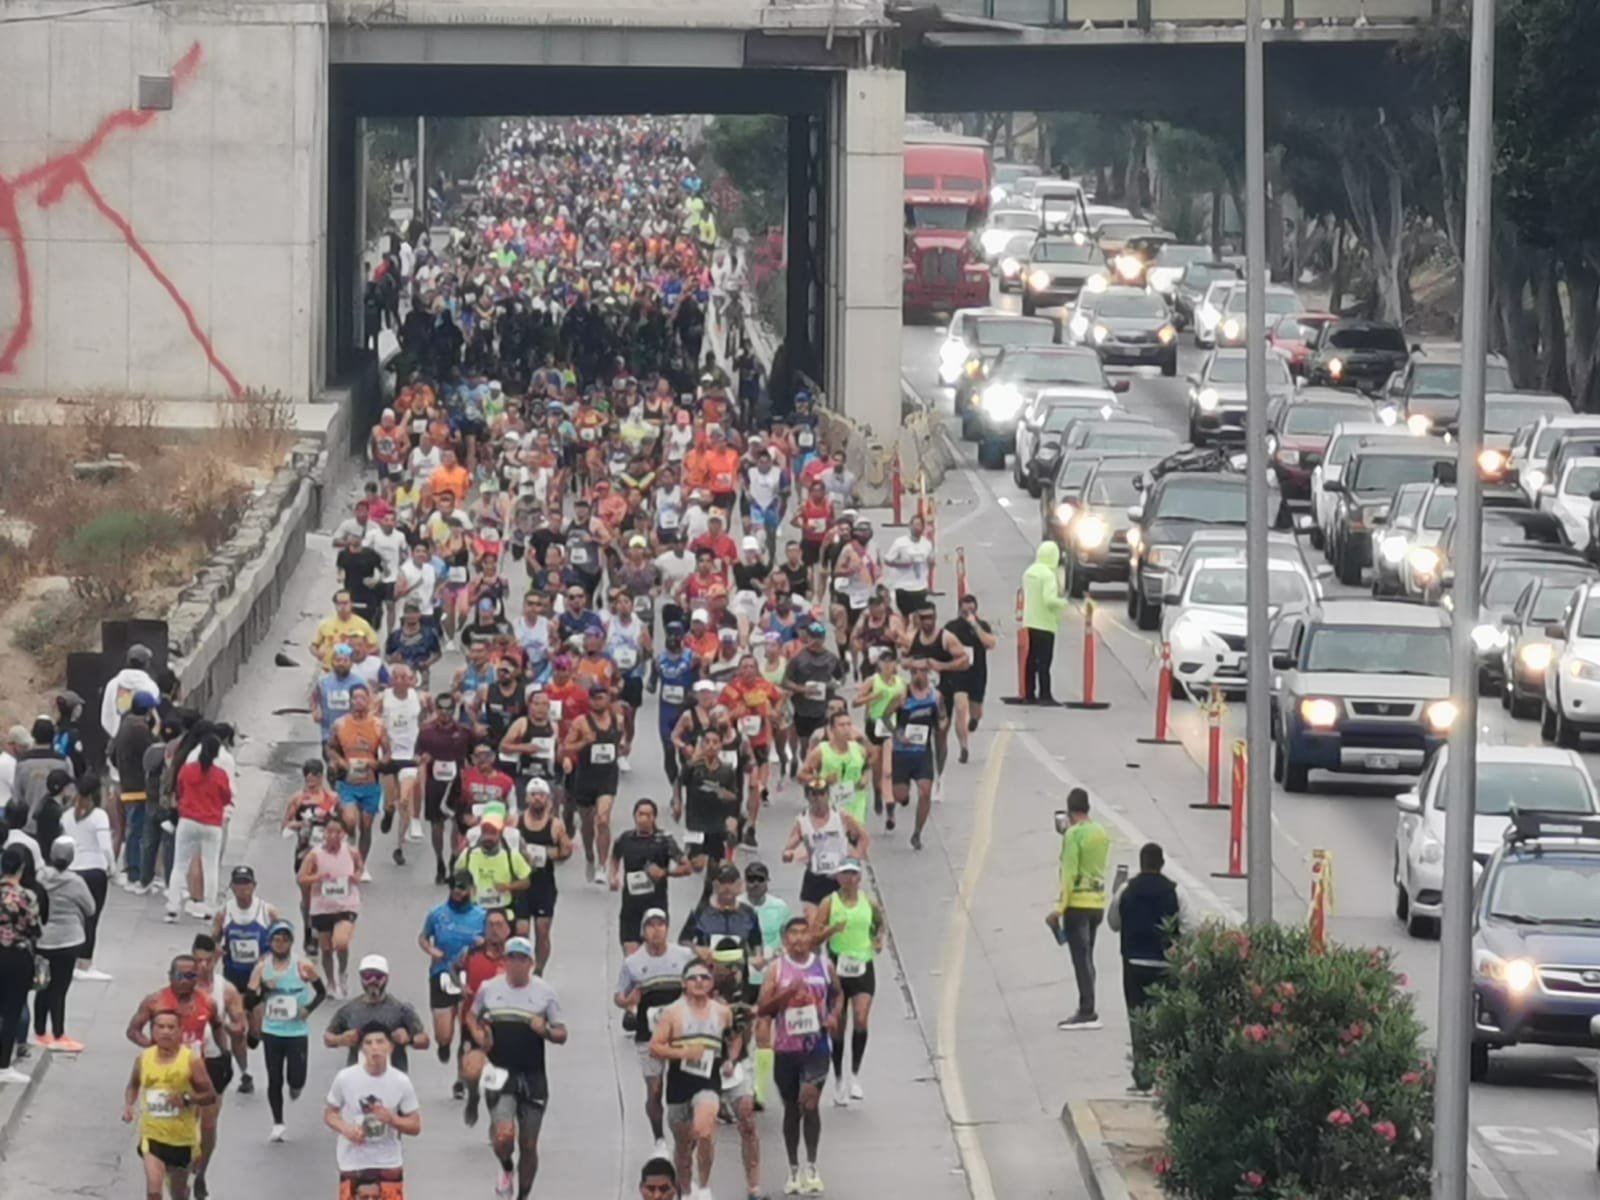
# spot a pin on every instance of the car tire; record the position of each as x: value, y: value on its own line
x: 1314, y: 536
x: 1031, y: 485
x: 1169, y: 366
x: 1175, y: 688
x: 1077, y: 585
x: 991, y: 454
x: 1028, y: 308
x: 1195, y: 437
x: 1522, y: 707
x: 1422, y: 928
x: 1016, y: 472
x: 1402, y: 901
x: 1133, y: 595
x: 1147, y: 614
x: 1547, y: 721
x: 1348, y: 567
x: 1277, y: 761
x: 1296, y: 778
x: 1478, y: 1063
x: 1567, y: 736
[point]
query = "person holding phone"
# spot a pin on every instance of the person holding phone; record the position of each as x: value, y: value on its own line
x: 1076, y: 916
x: 1148, y: 913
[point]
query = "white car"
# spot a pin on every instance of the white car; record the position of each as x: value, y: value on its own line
x: 1530, y: 450
x: 1203, y: 621
x: 954, y: 350
x: 1347, y: 437
x: 1580, y: 478
x: 1572, y: 681
x: 1524, y: 777
x: 1208, y: 314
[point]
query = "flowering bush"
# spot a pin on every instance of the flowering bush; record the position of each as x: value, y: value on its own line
x: 1288, y: 1073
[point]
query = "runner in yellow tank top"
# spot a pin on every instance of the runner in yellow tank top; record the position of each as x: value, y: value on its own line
x: 166, y: 1091
x: 852, y: 925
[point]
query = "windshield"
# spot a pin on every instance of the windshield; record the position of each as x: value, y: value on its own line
x: 1011, y: 172
x: 1279, y: 304
x: 1014, y: 219
x: 1065, y: 252
x: 1202, y: 275
x: 1016, y: 333
x: 1581, y: 481
x: 1505, y: 585
x: 1385, y: 472
x: 1439, y: 509
x: 1114, y: 489
x: 1058, y: 416
x: 1547, y: 440
x: 1407, y: 501
x: 1229, y: 368
x: 1505, y: 415
x: 1442, y: 381
x: 1545, y: 786
x: 1550, y: 604
x: 1545, y: 890
x: 1378, y: 651
x: 937, y: 216
x: 1185, y: 501
x: 1074, y: 471
x: 1019, y: 245
x: 1145, y: 304
x: 1045, y: 367
x: 1295, y: 330
x: 1314, y: 418
x: 1174, y: 255
x: 1122, y: 230
x: 1226, y: 586
x: 1367, y: 337
x: 1146, y: 441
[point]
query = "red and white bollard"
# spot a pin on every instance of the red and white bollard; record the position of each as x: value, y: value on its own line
x: 1088, y: 700
x: 961, y: 571
x: 1163, y: 702
x: 1213, y: 799
x: 1236, y: 812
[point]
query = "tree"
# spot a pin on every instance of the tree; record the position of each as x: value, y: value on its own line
x: 753, y: 151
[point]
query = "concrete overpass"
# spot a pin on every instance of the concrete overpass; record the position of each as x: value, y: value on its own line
x: 179, y: 185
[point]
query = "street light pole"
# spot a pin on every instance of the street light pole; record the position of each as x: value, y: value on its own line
x: 1258, y: 665
x: 1452, y: 1057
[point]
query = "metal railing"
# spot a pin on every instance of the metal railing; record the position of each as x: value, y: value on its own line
x: 1191, y: 12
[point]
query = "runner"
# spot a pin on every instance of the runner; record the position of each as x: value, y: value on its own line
x: 812, y: 671
x: 804, y: 1000
x: 285, y: 992
x: 842, y: 764
x: 967, y: 688
x: 773, y: 913
x: 449, y: 933
x: 824, y: 836
x: 751, y: 703
x: 689, y: 1039
x: 711, y: 805
x: 851, y: 925
x: 941, y: 653
x: 531, y: 747
x: 375, y: 1006
x: 651, y: 978
x: 240, y: 930
x: 357, y: 749
x: 591, y: 751
x: 917, y: 713
x: 443, y: 746
x: 512, y: 1017
x: 167, y: 1091
x: 642, y: 858
x: 545, y: 842
x: 333, y: 873
x: 219, y: 1052
x: 400, y: 714
x: 674, y: 669
x: 306, y: 818
x: 482, y: 965
x: 371, y: 1106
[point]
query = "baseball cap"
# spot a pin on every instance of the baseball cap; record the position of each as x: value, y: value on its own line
x: 757, y: 870
x: 374, y: 962
x: 727, y: 873
x: 816, y: 629
x: 729, y: 635
x: 653, y: 914
x: 462, y: 879
x: 700, y: 615
x: 519, y: 946
x: 542, y: 786
x: 849, y: 864
x: 705, y: 685
x: 143, y: 702
x: 243, y: 874
x: 674, y: 626
x: 750, y: 543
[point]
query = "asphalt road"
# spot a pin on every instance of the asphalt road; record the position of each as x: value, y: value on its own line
x: 1534, y: 1118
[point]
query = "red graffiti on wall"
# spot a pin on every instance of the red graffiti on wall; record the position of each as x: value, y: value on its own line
x: 49, y: 183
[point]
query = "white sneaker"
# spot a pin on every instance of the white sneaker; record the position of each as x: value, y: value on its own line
x: 141, y: 889
x: 624, y: 765
x: 813, y: 1184
x: 277, y: 1134
x: 91, y: 976
x: 158, y: 885
x: 414, y: 830
x: 366, y: 876
x: 841, y: 1097
x: 129, y: 885
x: 170, y: 917
x: 12, y: 1075
x: 793, y: 1185
x: 662, y: 1150
x: 504, y: 1185
x: 855, y: 1089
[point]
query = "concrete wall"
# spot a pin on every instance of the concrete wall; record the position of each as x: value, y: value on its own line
x: 187, y: 257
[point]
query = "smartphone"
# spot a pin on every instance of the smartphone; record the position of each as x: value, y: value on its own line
x: 1061, y: 820
x: 1122, y: 877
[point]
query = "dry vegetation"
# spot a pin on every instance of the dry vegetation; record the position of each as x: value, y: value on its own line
x: 118, y: 546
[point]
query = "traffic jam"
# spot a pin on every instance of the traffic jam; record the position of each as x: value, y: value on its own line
x: 1102, y: 368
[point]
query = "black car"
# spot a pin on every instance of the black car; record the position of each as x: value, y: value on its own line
x: 1129, y: 327
x: 1094, y: 542
x: 1357, y: 354
x: 1364, y: 491
x: 1191, y: 287
x: 1167, y: 515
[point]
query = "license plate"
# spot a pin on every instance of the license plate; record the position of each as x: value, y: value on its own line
x: 1383, y: 762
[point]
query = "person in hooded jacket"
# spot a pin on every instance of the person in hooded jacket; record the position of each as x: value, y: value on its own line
x: 1042, y: 606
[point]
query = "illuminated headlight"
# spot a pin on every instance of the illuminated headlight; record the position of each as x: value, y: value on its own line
x: 1079, y: 326
x: 952, y: 354
x: 1208, y: 399
x: 1424, y: 561
x: 1516, y: 973
x: 1491, y: 462
x: 1289, y: 458
x: 1164, y: 279
x: 1534, y: 478
x: 1161, y: 556
x: 1092, y: 532
x: 1389, y: 414
x: 1135, y: 539
x: 1319, y: 712
x: 993, y: 239
x: 1128, y: 266
x: 1009, y: 267
x: 1039, y: 280
x: 1065, y: 511
x: 1440, y: 715
x: 996, y: 194
x: 1535, y: 656
x: 1101, y: 333
x: 1188, y: 635
x: 1580, y: 668
x: 1393, y: 549
x: 973, y: 367
x: 1431, y: 850
x: 1418, y: 423
x: 1095, y: 283
x: 1230, y: 328
x: 1487, y: 638
x: 1335, y: 368
x: 1002, y: 403
x: 1167, y: 334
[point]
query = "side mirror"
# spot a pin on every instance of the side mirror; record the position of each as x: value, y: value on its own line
x: 1595, y: 495
x: 1410, y: 802
x: 1171, y: 594
x: 1121, y: 385
x: 1416, y: 347
x: 1282, y: 660
x: 1334, y: 486
x: 1556, y: 633
x: 1193, y: 379
x: 1136, y: 512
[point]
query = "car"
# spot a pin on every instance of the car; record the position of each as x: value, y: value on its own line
x: 1002, y: 225
x: 1022, y: 191
x: 1347, y: 437
x: 1086, y: 443
x: 1295, y: 334
x: 1094, y: 539
x: 1203, y: 618
x: 1218, y: 399
x: 1570, y: 445
x: 1573, y: 503
x: 1572, y: 682
x: 1128, y: 327
x: 1403, y: 531
x: 957, y: 349
x: 1360, y: 686
x: 1536, y: 938
x: 1007, y: 176
x: 1046, y: 421
x: 1167, y: 514
x: 1510, y: 779
x: 1172, y: 265
x: 1009, y: 267
x: 1362, y: 497
x: 1280, y: 302
x: 1057, y: 271
x: 1505, y: 536
x: 1529, y: 453
x: 1011, y: 382
x: 1190, y: 288
x: 1061, y: 491
x: 1528, y: 650
x: 1060, y: 205
x: 987, y: 334
x: 1356, y: 353
x: 1426, y: 391
x: 1112, y: 234
x: 1130, y: 266
x: 1298, y: 428
x: 1209, y: 311
x: 1506, y: 413
x: 1229, y: 541
x: 1506, y: 573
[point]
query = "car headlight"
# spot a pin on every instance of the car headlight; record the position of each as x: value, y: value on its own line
x: 1491, y: 462
x: 952, y: 354
x: 1188, y: 635
x: 1418, y: 423
x: 1009, y: 266
x: 1167, y: 334
x: 1319, y: 712
x: 1079, y: 326
x: 992, y: 240
x: 1335, y: 368
x: 1065, y: 511
x: 1582, y: 668
x: 1230, y: 328
x: 996, y: 194
x: 1128, y: 266
x: 1092, y: 532
x: 1393, y: 549
x: 1002, y: 403
x: 1162, y: 281
x: 1039, y: 280
x: 1208, y: 399
x: 1534, y: 478
x: 1430, y: 850
x: 1289, y: 458
x: 1135, y: 539
x: 974, y: 367
x: 1389, y: 414
x: 1516, y: 973
x: 1101, y: 333
x: 1095, y: 283
x: 1488, y: 638
x: 1161, y: 556
x: 1535, y: 656
x: 1441, y: 714
x: 1424, y: 561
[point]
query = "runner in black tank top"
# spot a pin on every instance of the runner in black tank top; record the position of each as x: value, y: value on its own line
x: 594, y: 744
x: 545, y: 842
x: 943, y: 653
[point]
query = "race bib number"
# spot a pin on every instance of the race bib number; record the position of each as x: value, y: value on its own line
x: 750, y: 725
x: 493, y: 1078
x: 335, y: 889
x: 162, y: 1105
x: 491, y: 897
x: 672, y: 693
x: 825, y: 862
x: 652, y: 1017
x: 508, y: 759
x: 728, y: 758
x: 457, y: 575
x: 817, y: 524
x: 339, y: 701
x: 669, y: 520
x: 806, y: 439
x: 580, y: 556
x: 639, y: 883
x: 602, y: 754
x: 444, y: 772
x: 694, y: 837
x: 420, y: 425
x: 817, y: 690
x: 802, y: 1022
x: 880, y: 728
x: 543, y: 747
x: 858, y: 602
x: 874, y: 653
x: 850, y: 968
x: 915, y: 735
x: 841, y: 794
x: 588, y: 434
x: 360, y: 770
x: 319, y: 834
x: 626, y: 657
x: 448, y: 985
x: 243, y: 950
x: 282, y: 1008
x: 700, y: 1066
x: 841, y: 583
x: 538, y: 856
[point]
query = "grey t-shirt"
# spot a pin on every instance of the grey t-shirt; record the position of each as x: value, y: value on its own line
x: 811, y: 668
x: 389, y: 1012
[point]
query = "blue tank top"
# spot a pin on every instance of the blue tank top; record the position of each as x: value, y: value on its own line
x: 474, y: 680
x: 677, y: 678
x: 334, y: 694
x: 283, y: 995
x: 914, y: 723
x: 244, y: 941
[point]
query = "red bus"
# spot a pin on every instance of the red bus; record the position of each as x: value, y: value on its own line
x: 947, y: 183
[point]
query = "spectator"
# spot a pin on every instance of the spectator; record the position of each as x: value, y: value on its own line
x: 1085, y: 847
x: 61, y: 943
x: 20, y: 926
x: 1148, y: 912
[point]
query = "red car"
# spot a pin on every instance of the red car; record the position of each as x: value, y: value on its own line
x: 1298, y: 430
x: 1294, y: 337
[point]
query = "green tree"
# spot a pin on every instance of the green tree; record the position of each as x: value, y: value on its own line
x: 753, y: 152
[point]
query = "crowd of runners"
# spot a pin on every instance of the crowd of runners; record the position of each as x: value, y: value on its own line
x: 577, y: 537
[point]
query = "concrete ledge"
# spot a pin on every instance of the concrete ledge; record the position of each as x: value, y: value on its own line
x: 1100, y: 1173
x: 14, y: 1099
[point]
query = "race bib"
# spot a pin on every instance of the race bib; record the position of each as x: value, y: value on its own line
x: 243, y: 950
x: 850, y: 968
x: 817, y: 690
x: 750, y: 725
x: 672, y: 693
x: 915, y: 735
x: 444, y: 772
x: 538, y: 856
x: 491, y: 897
x: 841, y: 583
x: 652, y: 1016
x: 543, y: 747
x: 509, y: 759
x: 555, y: 710
x: 825, y: 862
x: 841, y: 794
x: 335, y: 889
x: 603, y: 754
x: 640, y: 884
x: 588, y: 433
x: 669, y: 520
x: 580, y: 556
x: 162, y: 1105
x: 420, y: 425
x: 448, y: 984
x: 880, y: 729
x: 319, y: 834
x: 493, y: 1078
x: 625, y: 657
x: 694, y: 837
x: 282, y: 1008
x: 806, y: 439
x: 874, y: 653
x: 339, y: 701
x: 817, y: 524
x: 802, y: 1022
x: 728, y: 758
x: 858, y: 602
x: 457, y: 575
x: 699, y: 1066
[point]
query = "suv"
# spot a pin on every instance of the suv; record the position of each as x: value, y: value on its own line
x: 1044, y: 425
x: 1218, y: 399
x: 1189, y: 291
x: 1095, y: 541
x: 1572, y: 681
x: 987, y: 333
x: 1280, y: 302
x: 1011, y: 383
x: 1426, y: 392
x: 1536, y: 937
x: 1057, y: 270
x: 1358, y: 354
x: 1530, y: 449
x: 1360, y: 686
x: 1362, y: 497
x: 1165, y: 517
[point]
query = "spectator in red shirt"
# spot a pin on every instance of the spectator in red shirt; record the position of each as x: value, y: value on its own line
x: 204, y: 795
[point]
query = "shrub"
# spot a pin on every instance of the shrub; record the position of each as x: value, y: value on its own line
x: 1289, y: 1073
x: 102, y: 556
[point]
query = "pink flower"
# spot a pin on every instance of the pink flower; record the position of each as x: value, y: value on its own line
x: 1255, y: 991
x: 1161, y: 1166
x: 1362, y: 1109
x: 1252, y: 1179
x: 1255, y: 1033
x: 1339, y: 1117
x: 1385, y: 1130
x: 1405, y: 980
x: 1355, y: 1033
x: 1286, y: 990
x: 1277, y: 1009
x: 1411, y: 1078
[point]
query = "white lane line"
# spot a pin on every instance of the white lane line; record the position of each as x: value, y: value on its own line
x: 953, y: 965
x: 1482, y: 1178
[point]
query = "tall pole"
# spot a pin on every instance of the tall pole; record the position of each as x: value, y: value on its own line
x: 1258, y: 667
x: 1452, y: 1057
x: 419, y: 209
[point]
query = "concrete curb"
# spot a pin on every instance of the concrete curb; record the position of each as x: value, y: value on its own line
x: 14, y: 1100
x: 1100, y: 1173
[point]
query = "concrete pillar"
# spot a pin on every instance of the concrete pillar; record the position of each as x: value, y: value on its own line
x: 866, y: 134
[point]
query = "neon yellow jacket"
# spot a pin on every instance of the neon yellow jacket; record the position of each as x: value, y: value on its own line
x: 1085, y: 851
x: 1042, y: 601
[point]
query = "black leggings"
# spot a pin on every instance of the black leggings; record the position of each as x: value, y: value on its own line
x: 96, y: 879
x: 285, y: 1056
x: 51, y: 1003
x: 16, y: 979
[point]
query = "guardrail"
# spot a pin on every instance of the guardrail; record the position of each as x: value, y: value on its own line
x: 1191, y: 12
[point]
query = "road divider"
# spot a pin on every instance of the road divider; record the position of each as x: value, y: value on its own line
x: 1163, y: 703
x: 1214, y: 711
x: 1236, y: 813
x: 1088, y: 700
x: 1321, y: 896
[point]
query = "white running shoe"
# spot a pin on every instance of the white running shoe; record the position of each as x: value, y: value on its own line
x: 624, y: 765
x: 158, y: 885
x: 414, y: 830
x: 504, y: 1185
x: 12, y: 1075
x: 277, y: 1135
x: 662, y: 1150
x: 793, y: 1185
x: 855, y: 1089
x: 841, y: 1096
x: 91, y: 976
x: 813, y: 1182
x: 366, y: 876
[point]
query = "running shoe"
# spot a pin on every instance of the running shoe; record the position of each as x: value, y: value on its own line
x: 247, y: 1084
x: 66, y: 1045
x: 1079, y: 1021
x: 91, y: 976
x: 813, y: 1182
x: 387, y: 823
x: 277, y: 1134
x: 855, y: 1089
x: 793, y: 1186
x: 504, y: 1185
